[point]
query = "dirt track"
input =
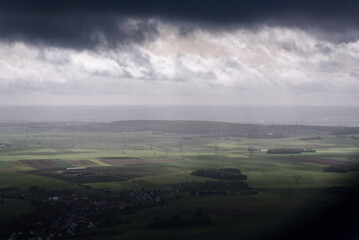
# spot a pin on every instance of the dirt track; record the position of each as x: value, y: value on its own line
x: 122, y: 161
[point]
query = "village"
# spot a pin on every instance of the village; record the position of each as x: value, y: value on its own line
x: 63, y: 214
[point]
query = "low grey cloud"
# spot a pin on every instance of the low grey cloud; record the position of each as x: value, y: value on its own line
x: 268, y: 65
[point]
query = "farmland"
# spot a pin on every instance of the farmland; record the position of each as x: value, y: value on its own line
x: 152, y: 159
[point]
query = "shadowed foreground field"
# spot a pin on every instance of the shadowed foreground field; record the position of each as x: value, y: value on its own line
x: 125, y: 180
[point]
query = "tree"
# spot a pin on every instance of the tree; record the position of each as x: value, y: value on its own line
x: 297, y: 179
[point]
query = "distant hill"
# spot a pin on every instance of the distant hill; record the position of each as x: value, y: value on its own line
x: 213, y: 128
x: 203, y: 128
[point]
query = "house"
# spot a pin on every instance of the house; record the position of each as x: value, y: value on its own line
x: 54, y: 199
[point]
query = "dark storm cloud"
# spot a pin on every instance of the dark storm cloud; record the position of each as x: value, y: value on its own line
x: 86, y: 24
x: 73, y: 29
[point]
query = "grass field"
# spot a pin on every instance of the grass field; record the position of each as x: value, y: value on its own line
x: 289, y: 186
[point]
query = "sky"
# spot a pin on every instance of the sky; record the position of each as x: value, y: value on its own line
x: 251, y: 52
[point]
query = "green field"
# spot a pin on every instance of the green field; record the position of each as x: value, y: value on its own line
x: 289, y: 185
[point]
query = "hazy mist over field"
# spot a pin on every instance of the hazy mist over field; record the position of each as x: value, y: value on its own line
x: 347, y: 116
x: 187, y: 52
